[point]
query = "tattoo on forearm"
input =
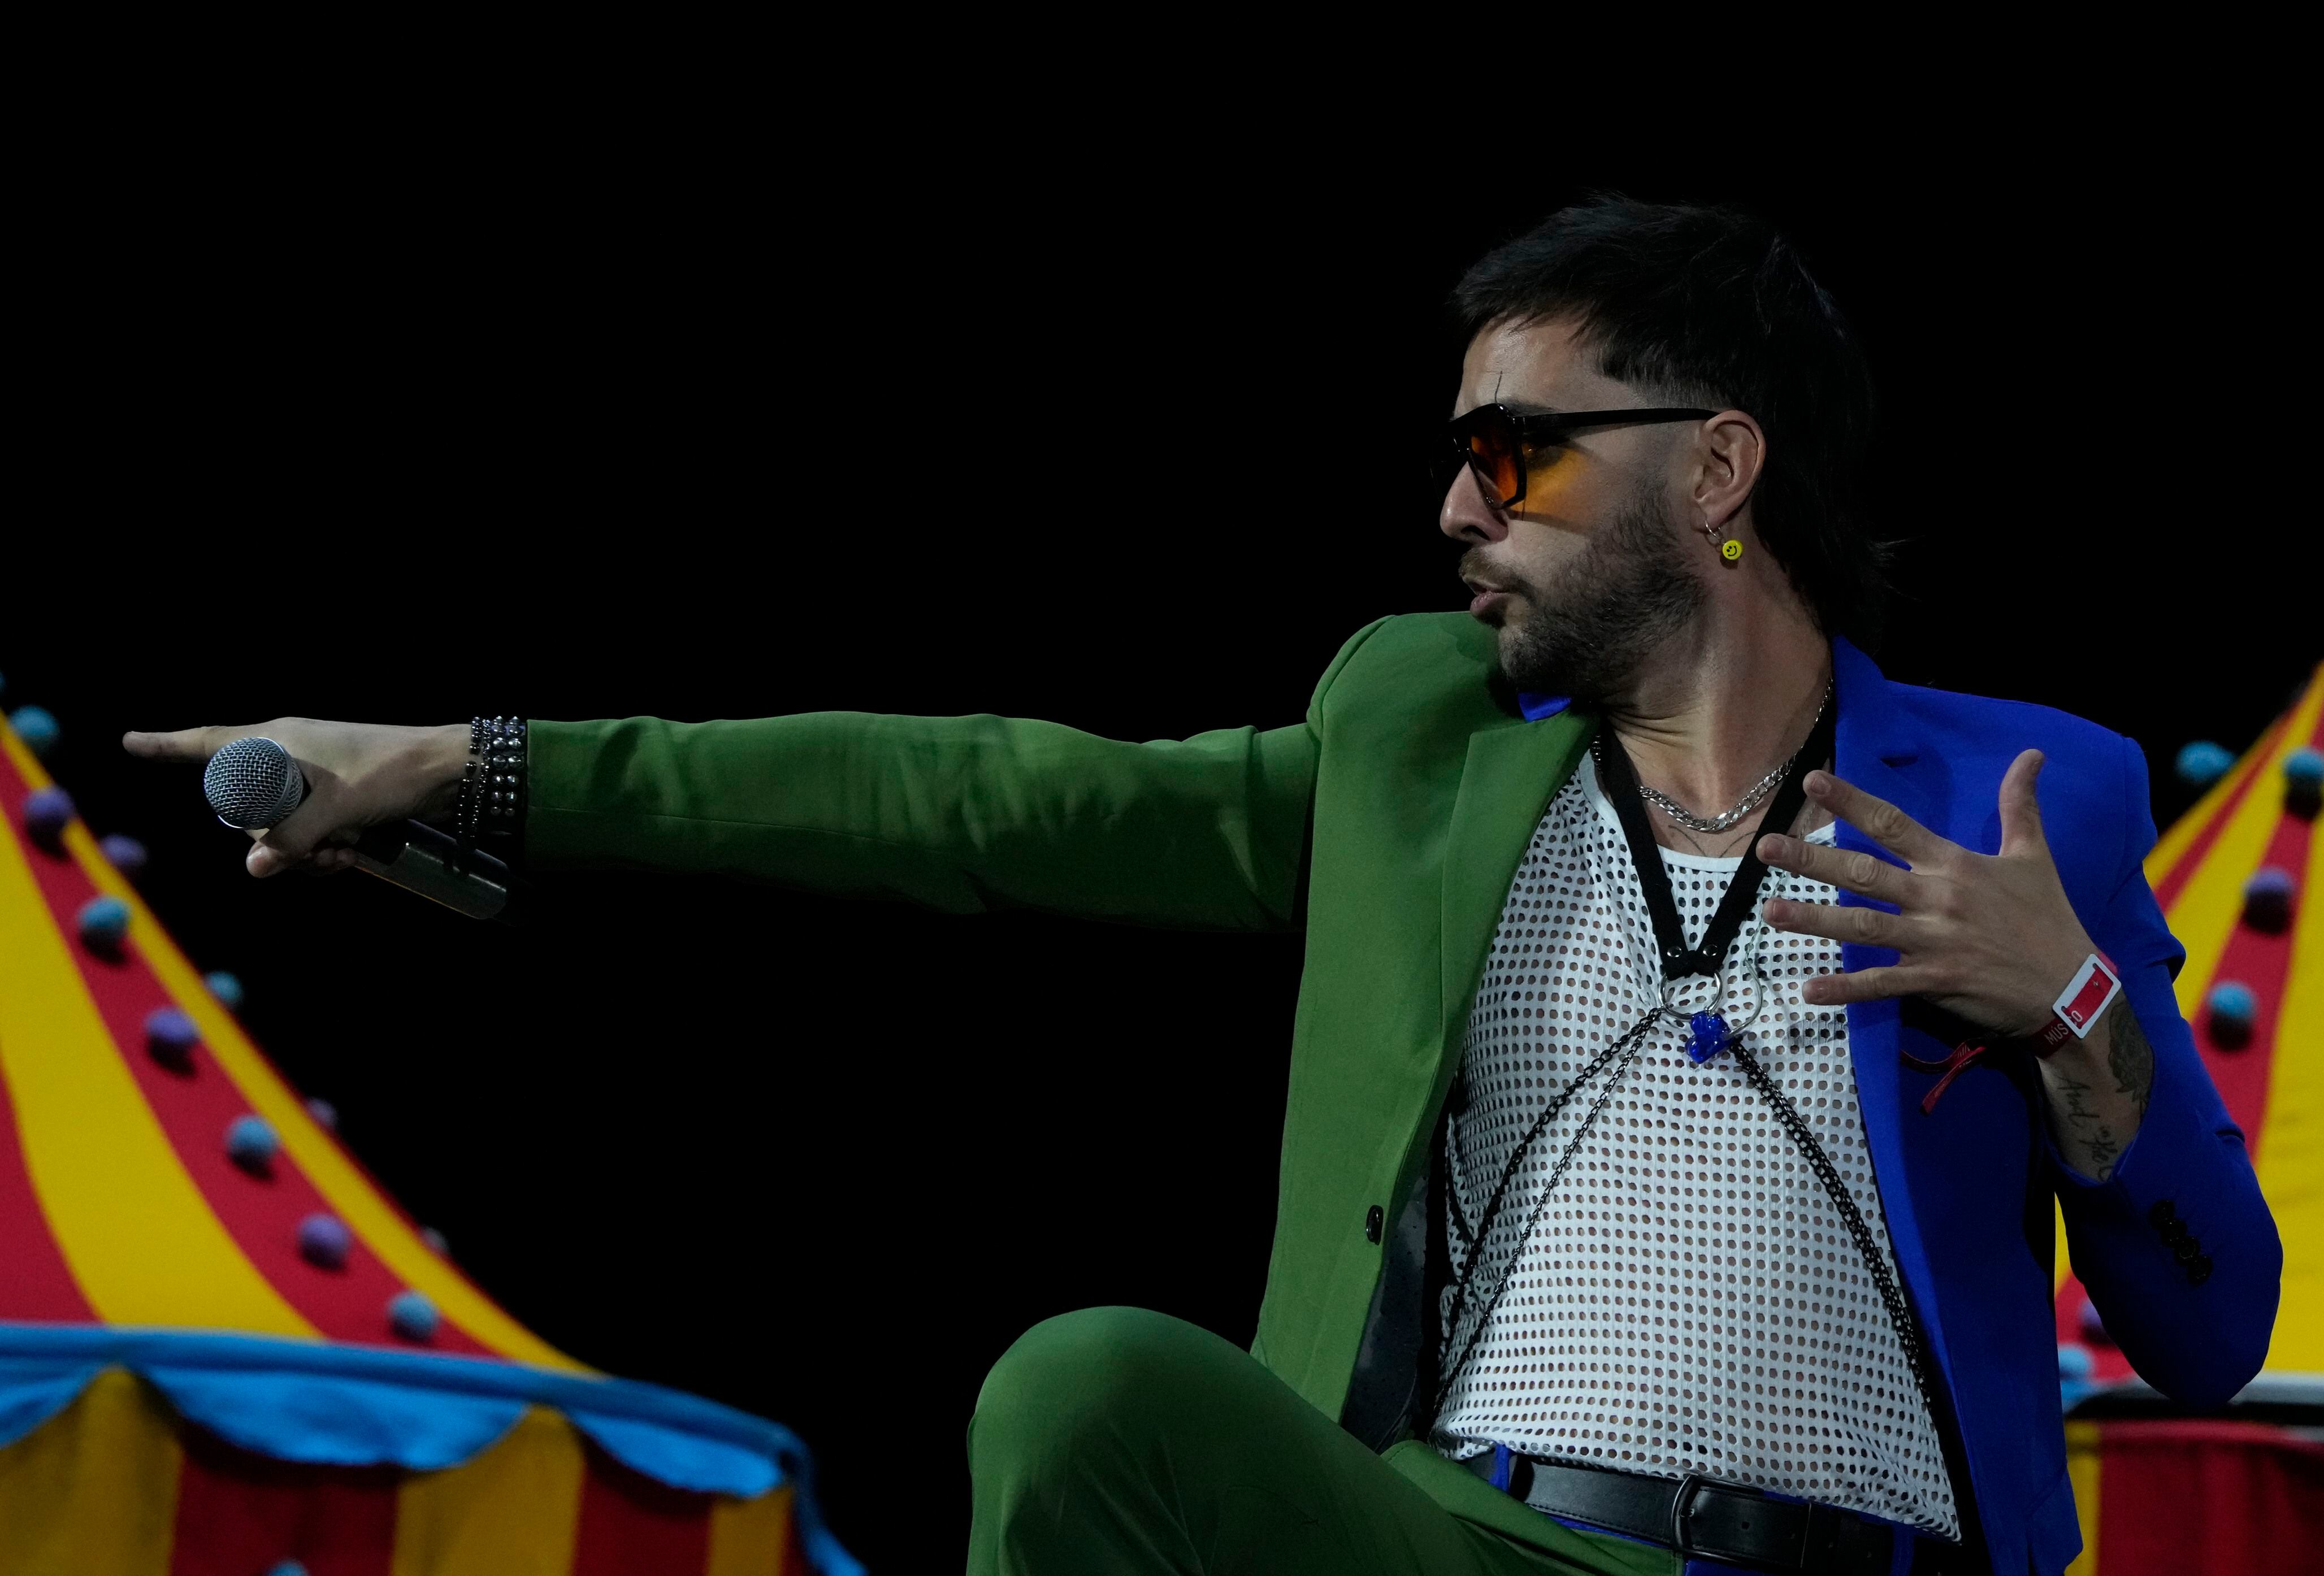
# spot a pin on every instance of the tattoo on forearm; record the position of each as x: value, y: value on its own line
x: 2129, y: 1057
x: 2088, y: 1141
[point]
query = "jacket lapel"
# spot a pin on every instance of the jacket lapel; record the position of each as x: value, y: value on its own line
x: 1874, y: 753
x: 1511, y: 771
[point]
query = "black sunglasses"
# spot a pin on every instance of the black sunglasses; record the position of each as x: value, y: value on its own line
x: 1496, y: 441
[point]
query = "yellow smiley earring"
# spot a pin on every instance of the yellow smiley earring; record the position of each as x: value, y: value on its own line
x: 1731, y: 549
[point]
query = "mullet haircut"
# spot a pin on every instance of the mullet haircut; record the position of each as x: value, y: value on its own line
x: 1707, y: 306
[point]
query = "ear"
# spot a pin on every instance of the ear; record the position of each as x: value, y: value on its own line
x: 1731, y: 453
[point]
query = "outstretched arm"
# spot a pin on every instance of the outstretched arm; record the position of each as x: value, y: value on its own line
x: 960, y: 813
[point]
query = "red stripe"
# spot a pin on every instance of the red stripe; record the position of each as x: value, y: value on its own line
x: 240, y: 1514
x: 34, y: 1282
x: 794, y: 1561
x: 631, y: 1525
x: 2178, y: 1497
x: 2263, y: 962
x: 195, y: 1108
x: 2166, y: 890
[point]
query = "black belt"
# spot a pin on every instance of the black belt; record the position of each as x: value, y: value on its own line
x: 1703, y: 1519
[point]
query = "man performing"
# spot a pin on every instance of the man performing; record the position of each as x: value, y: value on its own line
x: 1695, y: 1027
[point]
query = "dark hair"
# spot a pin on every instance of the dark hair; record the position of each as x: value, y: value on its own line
x: 1708, y: 306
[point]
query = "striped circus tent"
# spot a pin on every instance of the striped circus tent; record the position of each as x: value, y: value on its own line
x: 223, y: 1348
x: 2157, y: 1490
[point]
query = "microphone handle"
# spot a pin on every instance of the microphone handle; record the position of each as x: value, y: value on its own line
x: 420, y: 858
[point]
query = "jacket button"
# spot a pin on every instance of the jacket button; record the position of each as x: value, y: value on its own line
x: 2163, y: 1213
x: 2187, y: 1251
x: 1373, y: 1219
x: 2200, y: 1271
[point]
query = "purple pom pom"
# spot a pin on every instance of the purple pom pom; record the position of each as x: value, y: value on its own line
x: 435, y: 1240
x: 171, y: 1038
x: 126, y: 854
x: 324, y: 1242
x: 325, y: 1114
x: 411, y: 1316
x: 2267, y: 900
x: 47, y: 813
x: 2094, y: 1330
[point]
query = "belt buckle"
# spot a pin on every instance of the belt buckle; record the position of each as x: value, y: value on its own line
x: 1683, y: 1506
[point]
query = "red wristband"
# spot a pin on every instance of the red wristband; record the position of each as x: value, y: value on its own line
x: 2080, y: 1004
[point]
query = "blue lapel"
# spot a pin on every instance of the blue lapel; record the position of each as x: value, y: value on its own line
x: 1874, y: 752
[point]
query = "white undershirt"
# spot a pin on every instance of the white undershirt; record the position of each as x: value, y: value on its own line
x: 1689, y: 1301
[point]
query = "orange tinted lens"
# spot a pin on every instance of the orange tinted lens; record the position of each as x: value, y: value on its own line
x: 1493, y: 450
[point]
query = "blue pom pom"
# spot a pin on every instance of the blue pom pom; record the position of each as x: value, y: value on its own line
x: 325, y: 1114
x: 411, y: 1316
x: 126, y: 854
x: 2304, y: 767
x: 2230, y: 1012
x: 287, y: 1568
x: 225, y: 988
x: 2203, y: 763
x: 103, y: 922
x: 47, y: 813
x: 171, y: 1038
x: 250, y: 1143
x: 36, y: 727
x: 324, y: 1242
x: 2074, y: 1369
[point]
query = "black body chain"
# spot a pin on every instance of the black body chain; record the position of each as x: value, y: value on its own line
x: 1631, y: 1042
x: 1679, y: 960
x: 1892, y: 1296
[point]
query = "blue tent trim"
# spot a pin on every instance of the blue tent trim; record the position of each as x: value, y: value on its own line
x: 355, y: 1406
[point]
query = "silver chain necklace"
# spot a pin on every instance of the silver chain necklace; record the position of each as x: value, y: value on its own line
x: 1745, y: 805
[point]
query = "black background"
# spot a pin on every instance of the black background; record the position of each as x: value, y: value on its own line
x: 678, y: 421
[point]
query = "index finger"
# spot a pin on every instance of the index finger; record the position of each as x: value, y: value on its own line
x: 1875, y: 817
x: 185, y: 744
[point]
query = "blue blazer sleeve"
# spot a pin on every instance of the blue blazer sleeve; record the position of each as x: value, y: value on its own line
x: 2198, y: 1338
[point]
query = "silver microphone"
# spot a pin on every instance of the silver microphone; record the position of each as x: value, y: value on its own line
x: 253, y: 783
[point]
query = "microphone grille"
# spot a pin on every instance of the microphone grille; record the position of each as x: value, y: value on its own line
x: 253, y: 783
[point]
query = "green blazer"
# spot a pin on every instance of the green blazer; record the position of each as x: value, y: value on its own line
x: 1387, y: 824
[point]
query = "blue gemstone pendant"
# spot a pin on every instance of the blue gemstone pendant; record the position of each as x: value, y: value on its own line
x: 1707, y: 1036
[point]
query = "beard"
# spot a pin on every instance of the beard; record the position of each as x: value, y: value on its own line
x: 1586, y: 636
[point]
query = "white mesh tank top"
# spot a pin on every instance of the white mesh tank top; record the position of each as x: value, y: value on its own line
x: 1689, y: 1301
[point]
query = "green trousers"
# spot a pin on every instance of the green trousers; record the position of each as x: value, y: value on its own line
x: 1117, y: 1440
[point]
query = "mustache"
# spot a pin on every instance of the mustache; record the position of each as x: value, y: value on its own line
x: 1475, y: 565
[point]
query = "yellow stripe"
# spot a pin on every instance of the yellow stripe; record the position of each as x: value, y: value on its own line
x: 512, y: 1511
x: 2183, y: 831
x: 2082, y: 1468
x: 135, y: 1229
x: 93, y: 1490
x: 2292, y: 1161
x: 748, y: 1536
x: 344, y: 1187
x: 2212, y: 900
